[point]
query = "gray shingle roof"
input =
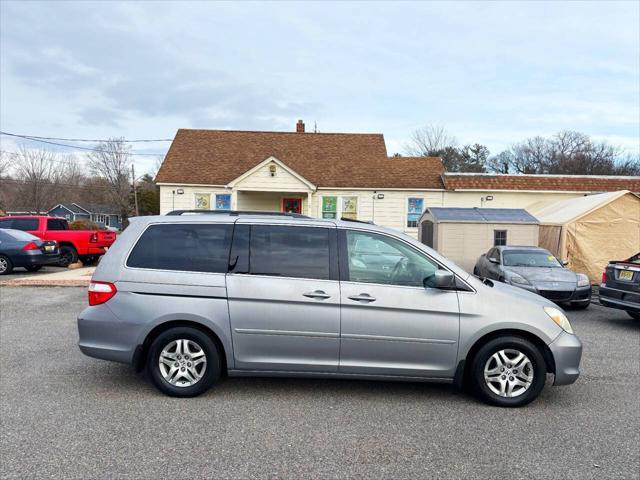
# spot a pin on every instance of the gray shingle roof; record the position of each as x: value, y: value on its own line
x: 482, y: 215
x: 98, y: 208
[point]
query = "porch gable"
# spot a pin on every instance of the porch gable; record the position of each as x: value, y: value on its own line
x: 272, y: 175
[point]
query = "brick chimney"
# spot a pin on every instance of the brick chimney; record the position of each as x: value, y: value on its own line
x: 300, y: 126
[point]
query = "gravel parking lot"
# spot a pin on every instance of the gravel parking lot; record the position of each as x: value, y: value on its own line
x: 66, y: 415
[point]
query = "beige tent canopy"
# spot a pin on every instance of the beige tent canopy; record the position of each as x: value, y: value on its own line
x: 591, y: 230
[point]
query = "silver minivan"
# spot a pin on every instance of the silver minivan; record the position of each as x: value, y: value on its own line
x: 190, y: 297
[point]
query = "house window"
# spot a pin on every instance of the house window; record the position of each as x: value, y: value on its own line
x: 329, y: 207
x: 223, y: 201
x: 499, y: 237
x: 339, y: 207
x: 414, y: 210
x: 203, y: 201
x: 350, y: 207
x: 99, y: 219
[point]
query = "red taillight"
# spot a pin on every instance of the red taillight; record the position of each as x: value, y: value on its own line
x: 100, y: 292
x: 93, y: 238
x: 604, y: 277
x: 31, y: 246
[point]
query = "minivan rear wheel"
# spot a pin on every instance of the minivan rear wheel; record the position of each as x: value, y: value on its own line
x: 183, y: 362
x: 508, y: 371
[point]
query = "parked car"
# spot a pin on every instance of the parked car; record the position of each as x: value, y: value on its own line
x: 536, y: 270
x: 189, y: 297
x: 620, y: 287
x: 21, y: 249
x: 86, y: 245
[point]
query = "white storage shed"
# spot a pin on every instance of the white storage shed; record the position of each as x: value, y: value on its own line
x: 463, y: 234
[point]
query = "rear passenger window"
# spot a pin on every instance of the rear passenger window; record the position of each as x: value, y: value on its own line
x: 25, y: 224
x: 56, y: 224
x: 6, y: 223
x: 184, y: 247
x: 300, y: 252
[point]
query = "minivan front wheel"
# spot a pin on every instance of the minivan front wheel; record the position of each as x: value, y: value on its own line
x: 508, y: 371
x: 183, y: 362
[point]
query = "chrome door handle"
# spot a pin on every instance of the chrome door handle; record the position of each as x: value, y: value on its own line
x: 317, y: 294
x: 363, y: 297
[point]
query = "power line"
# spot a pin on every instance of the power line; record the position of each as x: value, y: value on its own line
x: 95, y: 140
x: 76, y: 146
x: 55, y: 184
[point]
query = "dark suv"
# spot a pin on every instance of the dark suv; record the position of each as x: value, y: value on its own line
x: 620, y: 286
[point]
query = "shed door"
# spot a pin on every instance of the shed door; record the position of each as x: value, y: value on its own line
x: 427, y: 233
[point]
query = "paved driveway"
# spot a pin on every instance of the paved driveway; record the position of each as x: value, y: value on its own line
x: 66, y: 415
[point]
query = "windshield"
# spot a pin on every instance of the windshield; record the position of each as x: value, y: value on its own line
x: 529, y: 258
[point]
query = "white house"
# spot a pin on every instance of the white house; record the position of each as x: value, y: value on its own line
x: 333, y: 175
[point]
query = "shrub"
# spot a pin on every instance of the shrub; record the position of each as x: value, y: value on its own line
x: 83, y: 225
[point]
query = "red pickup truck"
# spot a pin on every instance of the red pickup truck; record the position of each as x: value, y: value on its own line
x: 86, y: 245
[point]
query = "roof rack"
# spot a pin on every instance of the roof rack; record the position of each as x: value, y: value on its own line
x: 235, y: 213
x: 345, y: 219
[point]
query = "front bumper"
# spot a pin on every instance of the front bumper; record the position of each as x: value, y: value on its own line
x: 567, y: 352
x: 580, y: 294
x: 622, y: 299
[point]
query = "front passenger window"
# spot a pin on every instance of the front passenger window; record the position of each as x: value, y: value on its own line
x: 374, y: 258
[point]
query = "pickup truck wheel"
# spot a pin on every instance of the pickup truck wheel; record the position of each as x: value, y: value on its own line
x: 89, y: 259
x: 508, y: 371
x: 33, y: 268
x: 183, y: 362
x: 68, y: 255
x: 5, y: 265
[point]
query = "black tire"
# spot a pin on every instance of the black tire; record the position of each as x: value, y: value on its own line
x: 6, y: 267
x: 538, y: 367
x: 68, y: 255
x: 89, y: 259
x: 211, y: 373
x: 634, y: 315
x: 33, y: 268
x: 580, y: 305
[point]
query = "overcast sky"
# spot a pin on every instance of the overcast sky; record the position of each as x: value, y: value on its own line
x: 492, y: 73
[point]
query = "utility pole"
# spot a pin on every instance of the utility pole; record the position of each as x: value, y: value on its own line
x: 135, y: 192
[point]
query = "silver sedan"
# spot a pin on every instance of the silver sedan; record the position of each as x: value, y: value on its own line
x: 537, y: 270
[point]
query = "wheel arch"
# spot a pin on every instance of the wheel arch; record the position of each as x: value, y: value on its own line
x: 462, y: 370
x: 140, y: 355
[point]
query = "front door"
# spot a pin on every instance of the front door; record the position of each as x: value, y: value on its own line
x: 391, y: 323
x: 292, y: 205
x: 284, y: 298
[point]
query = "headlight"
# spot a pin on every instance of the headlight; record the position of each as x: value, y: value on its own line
x: 560, y: 318
x: 583, y: 280
x: 519, y: 279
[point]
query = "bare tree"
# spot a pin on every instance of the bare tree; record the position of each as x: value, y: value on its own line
x: 5, y: 159
x: 36, y: 173
x: 429, y: 141
x: 565, y: 153
x: 111, y: 161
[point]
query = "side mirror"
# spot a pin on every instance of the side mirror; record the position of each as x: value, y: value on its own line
x: 564, y: 263
x: 494, y: 260
x: 440, y: 279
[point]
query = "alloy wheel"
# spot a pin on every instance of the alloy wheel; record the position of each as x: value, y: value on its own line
x: 182, y: 363
x: 3, y: 265
x: 508, y: 373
